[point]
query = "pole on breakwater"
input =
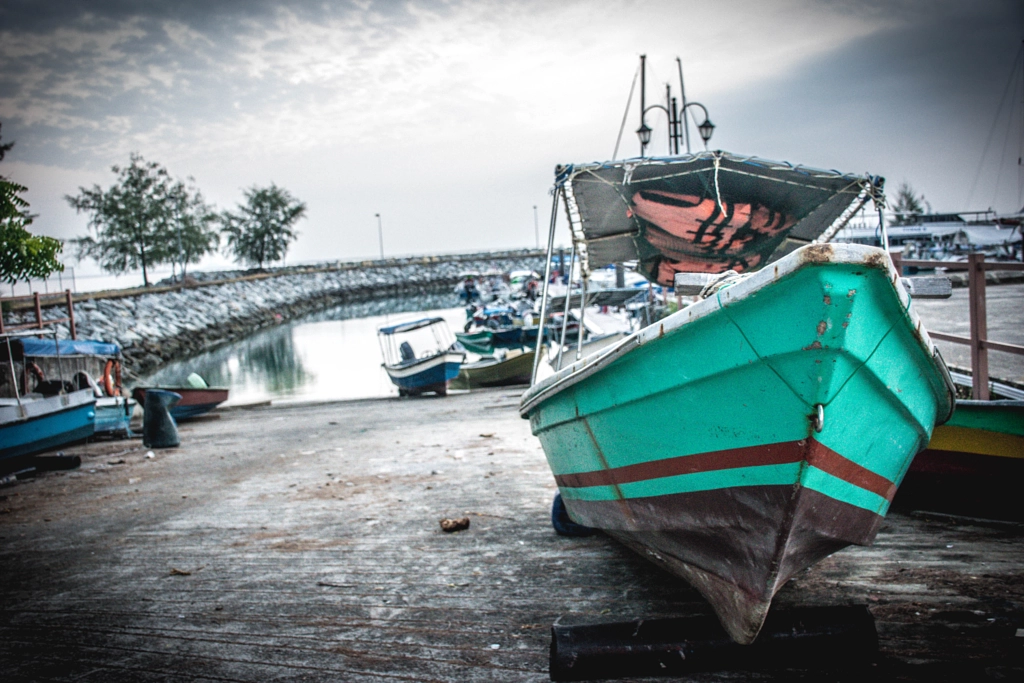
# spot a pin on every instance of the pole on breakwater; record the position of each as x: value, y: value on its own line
x: 380, y: 236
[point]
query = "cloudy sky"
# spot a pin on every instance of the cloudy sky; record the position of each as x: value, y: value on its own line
x: 447, y: 117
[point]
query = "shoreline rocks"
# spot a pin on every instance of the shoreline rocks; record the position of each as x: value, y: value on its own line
x: 153, y: 328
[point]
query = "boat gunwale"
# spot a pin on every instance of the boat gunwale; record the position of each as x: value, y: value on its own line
x: 810, y: 255
x: 422, y: 364
x: 76, y: 399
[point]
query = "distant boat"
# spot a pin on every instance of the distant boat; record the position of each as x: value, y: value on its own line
x: 428, y: 369
x: 88, y: 364
x: 195, y: 401
x: 743, y: 438
x: 48, y: 417
x: 513, y: 368
x: 485, y: 341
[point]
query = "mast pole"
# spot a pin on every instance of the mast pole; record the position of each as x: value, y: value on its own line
x: 14, y: 376
x: 668, y: 111
x: 565, y: 313
x: 674, y: 129
x: 547, y: 282
x: 643, y: 95
x: 682, y: 95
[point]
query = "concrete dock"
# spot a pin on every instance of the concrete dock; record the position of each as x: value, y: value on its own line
x: 303, y: 543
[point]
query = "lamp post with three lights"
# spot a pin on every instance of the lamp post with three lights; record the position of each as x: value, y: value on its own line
x: 677, y: 128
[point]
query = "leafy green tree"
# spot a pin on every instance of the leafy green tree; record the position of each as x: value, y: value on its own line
x: 261, y: 229
x: 192, y: 226
x: 129, y: 220
x: 22, y: 254
x: 908, y: 204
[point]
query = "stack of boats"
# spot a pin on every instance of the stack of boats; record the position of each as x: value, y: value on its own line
x: 499, y: 342
x: 767, y: 424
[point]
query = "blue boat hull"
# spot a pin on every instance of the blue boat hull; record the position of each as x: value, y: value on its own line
x: 180, y: 412
x: 47, y: 431
x: 439, y: 374
x: 113, y: 416
x: 426, y: 374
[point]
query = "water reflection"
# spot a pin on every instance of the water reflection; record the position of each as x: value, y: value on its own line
x: 330, y: 355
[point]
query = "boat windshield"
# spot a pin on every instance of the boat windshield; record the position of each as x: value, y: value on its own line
x: 407, y: 342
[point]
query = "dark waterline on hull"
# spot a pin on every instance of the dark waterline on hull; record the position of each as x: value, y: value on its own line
x: 329, y: 355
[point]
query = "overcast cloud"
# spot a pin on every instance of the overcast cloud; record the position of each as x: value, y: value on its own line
x: 448, y: 117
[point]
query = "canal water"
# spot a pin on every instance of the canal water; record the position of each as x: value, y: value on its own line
x: 329, y: 356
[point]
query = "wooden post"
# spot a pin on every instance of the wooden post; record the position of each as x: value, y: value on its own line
x: 39, y: 311
x: 71, y: 314
x: 897, y: 262
x: 979, y: 327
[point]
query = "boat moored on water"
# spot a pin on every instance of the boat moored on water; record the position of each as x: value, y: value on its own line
x: 420, y: 356
x: 747, y: 436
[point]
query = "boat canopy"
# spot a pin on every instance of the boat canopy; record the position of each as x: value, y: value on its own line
x: 706, y: 212
x: 33, y: 347
x: 410, y: 326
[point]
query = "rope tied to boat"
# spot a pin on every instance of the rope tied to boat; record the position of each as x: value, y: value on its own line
x: 726, y: 279
x: 718, y: 193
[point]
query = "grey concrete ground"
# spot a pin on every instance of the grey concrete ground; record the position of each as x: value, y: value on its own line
x: 303, y: 543
x: 1005, y: 314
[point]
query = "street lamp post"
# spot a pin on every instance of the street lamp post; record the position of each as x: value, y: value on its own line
x: 536, y: 227
x: 676, y: 116
x: 380, y: 236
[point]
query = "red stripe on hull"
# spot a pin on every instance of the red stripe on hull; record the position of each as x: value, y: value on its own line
x: 807, y: 450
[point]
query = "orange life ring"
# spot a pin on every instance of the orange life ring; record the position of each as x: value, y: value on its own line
x: 108, y: 378
x: 36, y: 371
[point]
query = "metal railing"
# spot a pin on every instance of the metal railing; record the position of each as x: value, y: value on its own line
x: 980, y: 344
x: 40, y: 302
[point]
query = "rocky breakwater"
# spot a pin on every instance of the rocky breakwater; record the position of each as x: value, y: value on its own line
x: 153, y: 327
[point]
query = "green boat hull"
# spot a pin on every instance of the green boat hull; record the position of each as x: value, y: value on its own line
x: 512, y: 370
x: 696, y: 441
x: 974, y: 464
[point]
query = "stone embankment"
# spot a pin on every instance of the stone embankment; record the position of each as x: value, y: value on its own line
x: 166, y: 323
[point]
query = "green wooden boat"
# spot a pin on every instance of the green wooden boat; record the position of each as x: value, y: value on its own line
x: 481, y: 341
x: 973, y: 465
x: 978, y: 430
x: 753, y: 433
x: 515, y: 368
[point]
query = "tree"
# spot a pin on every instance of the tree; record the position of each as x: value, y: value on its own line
x: 908, y: 205
x: 261, y: 230
x: 192, y: 226
x: 22, y: 254
x: 129, y: 220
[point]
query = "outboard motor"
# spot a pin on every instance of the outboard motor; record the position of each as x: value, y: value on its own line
x: 158, y: 427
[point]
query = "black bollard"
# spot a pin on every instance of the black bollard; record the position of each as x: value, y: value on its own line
x: 804, y: 638
x: 158, y: 427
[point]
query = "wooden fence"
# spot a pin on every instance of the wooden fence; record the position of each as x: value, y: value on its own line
x: 980, y: 344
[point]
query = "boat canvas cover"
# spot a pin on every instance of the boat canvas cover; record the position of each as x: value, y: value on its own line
x: 34, y: 347
x: 707, y: 212
x: 409, y: 326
